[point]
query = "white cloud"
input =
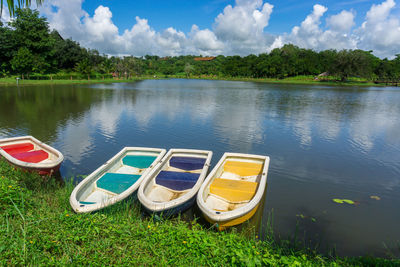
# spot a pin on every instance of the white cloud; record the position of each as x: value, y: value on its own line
x: 341, y: 22
x: 139, y: 40
x: 206, y: 42
x: 5, y: 15
x: 379, y: 13
x: 238, y: 29
x: 242, y: 27
x: 66, y: 18
x: 99, y: 31
x: 310, y: 34
x: 171, y: 42
x: 380, y: 31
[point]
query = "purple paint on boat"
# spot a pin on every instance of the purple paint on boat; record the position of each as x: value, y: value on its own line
x: 187, y: 163
x: 177, y: 181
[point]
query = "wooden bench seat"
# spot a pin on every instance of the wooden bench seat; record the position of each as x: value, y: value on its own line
x: 243, y: 168
x: 138, y: 161
x: 18, y: 148
x: 177, y: 181
x: 234, y: 191
x: 117, y: 182
x: 35, y: 156
x: 187, y: 163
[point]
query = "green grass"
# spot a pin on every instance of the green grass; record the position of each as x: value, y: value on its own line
x: 12, y: 81
x: 307, y: 80
x: 37, y: 227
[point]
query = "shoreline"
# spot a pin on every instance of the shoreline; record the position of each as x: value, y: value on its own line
x: 293, y: 80
x: 26, y: 82
x: 41, y: 228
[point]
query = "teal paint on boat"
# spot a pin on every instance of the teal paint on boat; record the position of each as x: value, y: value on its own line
x: 117, y: 182
x: 86, y: 202
x: 137, y: 161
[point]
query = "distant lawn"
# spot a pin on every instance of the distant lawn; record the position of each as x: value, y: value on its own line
x: 331, y: 81
x: 292, y: 80
x: 13, y: 81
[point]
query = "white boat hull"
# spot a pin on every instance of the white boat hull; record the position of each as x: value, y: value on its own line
x: 163, y: 192
x: 47, y: 165
x: 116, y: 180
x: 232, y: 192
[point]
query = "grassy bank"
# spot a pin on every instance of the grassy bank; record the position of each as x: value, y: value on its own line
x: 12, y: 81
x: 37, y: 226
x: 306, y: 80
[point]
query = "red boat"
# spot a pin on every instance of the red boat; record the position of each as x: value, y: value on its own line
x: 30, y: 154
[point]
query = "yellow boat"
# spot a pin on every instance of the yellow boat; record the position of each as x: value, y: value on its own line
x: 233, y: 190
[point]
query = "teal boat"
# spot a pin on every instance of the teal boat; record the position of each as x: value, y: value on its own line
x: 116, y: 180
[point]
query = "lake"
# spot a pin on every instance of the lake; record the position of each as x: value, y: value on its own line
x: 324, y: 142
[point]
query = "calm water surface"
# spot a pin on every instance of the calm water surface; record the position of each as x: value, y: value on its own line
x: 324, y: 143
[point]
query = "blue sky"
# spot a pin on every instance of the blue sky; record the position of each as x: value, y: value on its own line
x: 183, y: 14
x: 162, y: 14
x: 228, y: 27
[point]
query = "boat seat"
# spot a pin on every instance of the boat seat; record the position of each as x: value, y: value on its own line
x: 234, y: 191
x: 117, y: 182
x: 177, y: 181
x: 138, y: 161
x: 31, y: 156
x: 243, y: 168
x: 18, y: 148
x: 187, y: 163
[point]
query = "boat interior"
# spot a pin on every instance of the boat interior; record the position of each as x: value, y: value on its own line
x: 176, y: 177
x: 234, y: 184
x: 117, y: 178
x: 28, y: 152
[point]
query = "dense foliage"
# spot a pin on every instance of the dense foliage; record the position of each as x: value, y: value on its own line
x: 28, y: 46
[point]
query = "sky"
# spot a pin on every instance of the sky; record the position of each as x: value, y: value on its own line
x: 228, y: 27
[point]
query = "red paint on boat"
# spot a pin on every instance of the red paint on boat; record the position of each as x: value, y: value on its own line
x: 31, y: 156
x: 18, y: 148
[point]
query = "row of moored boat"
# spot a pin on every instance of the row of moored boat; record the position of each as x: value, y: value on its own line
x: 164, y: 183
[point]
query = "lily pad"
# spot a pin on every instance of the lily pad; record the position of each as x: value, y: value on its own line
x: 340, y: 201
x: 375, y: 197
x: 348, y: 201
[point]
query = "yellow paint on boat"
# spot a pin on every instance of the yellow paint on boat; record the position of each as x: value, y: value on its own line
x: 243, y: 168
x: 234, y: 191
x: 225, y: 224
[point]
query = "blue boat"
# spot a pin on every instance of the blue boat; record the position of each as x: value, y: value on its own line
x: 172, y: 186
x: 116, y: 180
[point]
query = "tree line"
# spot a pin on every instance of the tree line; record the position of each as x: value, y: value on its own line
x: 30, y: 49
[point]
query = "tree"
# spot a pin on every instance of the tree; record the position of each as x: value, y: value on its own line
x: 32, y: 32
x: 84, y: 67
x: 188, y: 69
x: 22, y: 62
x: 352, y: 63
x: 7, y: 48
x: 396, y: 68
x: 66, y: 53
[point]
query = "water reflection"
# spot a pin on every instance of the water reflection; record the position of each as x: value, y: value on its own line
x: 324, y: 143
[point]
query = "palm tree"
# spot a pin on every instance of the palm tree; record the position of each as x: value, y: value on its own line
x: 14, y: 4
